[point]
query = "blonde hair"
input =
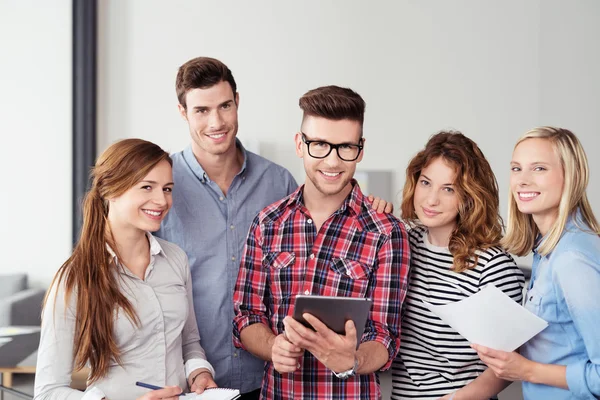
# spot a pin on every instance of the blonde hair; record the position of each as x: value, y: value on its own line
x: 521, y: 230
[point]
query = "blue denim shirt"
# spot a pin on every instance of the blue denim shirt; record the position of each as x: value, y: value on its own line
x: 212, y: 229
x: 565, y: 291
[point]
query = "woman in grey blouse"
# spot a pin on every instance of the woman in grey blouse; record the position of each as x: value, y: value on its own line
x: 122, y: 303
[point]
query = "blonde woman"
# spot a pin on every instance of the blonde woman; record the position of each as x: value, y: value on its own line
x: 549, y: 214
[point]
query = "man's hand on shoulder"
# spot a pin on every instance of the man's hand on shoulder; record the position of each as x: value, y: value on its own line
x: 380, y: 206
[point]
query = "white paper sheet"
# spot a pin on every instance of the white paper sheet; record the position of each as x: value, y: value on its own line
x: 491, y: 318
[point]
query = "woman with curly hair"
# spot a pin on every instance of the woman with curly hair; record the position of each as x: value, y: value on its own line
x: 450, y: 203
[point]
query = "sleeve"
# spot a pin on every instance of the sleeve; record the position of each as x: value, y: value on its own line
x: 248, y: 296
x: 55, y: 353
x: 193, y: 353
x: 576, y: 280
x: 502, y: 272
x: 391, y: 283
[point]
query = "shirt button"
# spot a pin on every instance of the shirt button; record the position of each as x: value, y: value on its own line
x: 309, y: 221
x: 232, y: 258
x: 312, y: 257
x: 235, y: 354
x: 221, y: 198
x: 231, y: 226
x: 307, y: 292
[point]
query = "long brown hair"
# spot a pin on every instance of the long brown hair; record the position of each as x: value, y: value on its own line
x: 521, y: 230
x: 90, y: 272
x: 478, y: 225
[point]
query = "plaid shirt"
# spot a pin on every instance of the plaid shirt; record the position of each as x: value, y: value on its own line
x: 356, y: 253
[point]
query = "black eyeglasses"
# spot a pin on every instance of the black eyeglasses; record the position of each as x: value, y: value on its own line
x: 321, y: 149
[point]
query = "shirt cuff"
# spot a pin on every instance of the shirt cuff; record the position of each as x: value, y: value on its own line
x: 196, y: 363
x: 576, y: 379
x: 392, y: 345
x: 243, y: 321
x: 93, y: 394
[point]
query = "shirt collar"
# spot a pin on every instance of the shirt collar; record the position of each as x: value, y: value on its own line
x: 155, y: 247
x: 192, y: 162
x: 352, y: 203
x: 574, y: 222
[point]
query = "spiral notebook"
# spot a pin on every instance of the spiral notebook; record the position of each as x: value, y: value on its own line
x: 213, y: 394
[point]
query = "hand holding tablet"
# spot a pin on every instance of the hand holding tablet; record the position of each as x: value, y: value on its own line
x: 334, y: 312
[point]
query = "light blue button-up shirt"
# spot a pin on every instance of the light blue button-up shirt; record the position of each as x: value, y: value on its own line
x: 212, y: 229
x: 565, y: 291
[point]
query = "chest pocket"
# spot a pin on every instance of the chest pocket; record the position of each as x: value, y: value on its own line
x: 281, y: 275
x: 544, y: 304
x: 351, y: 268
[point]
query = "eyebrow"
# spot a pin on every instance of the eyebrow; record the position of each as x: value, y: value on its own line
x: 325, y: 141
x: 156, y: 183
x: 445, y: 184
x: 206, y: 107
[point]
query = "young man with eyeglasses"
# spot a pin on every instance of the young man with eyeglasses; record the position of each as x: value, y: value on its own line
x: 323, y: 239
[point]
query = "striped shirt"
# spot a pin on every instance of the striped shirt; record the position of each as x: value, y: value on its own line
x: 434, y: 359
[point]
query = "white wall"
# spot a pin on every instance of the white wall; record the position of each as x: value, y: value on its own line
x: 35, y: 137
x: 421, y: 66
x: 490, y: 69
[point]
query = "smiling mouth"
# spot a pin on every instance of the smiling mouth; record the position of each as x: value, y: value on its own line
x: 526, y: 196
x: 154, y: 214
x: 430, y: 213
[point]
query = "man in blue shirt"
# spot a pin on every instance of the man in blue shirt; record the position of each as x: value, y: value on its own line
x: 219, y: 188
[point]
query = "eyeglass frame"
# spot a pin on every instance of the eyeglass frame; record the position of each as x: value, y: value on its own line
x: 331, y: 147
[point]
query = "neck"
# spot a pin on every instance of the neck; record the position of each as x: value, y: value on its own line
x: 319, y: 203
x: 132, y: 246
x: 220, y: 168
x: 545, y: 221
x: 440, y: 236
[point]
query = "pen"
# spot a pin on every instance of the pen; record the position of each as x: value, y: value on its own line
x: 149, y: 386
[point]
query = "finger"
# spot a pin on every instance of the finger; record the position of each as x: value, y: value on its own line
x: 389, y: 208
x: 287, y: 349
x: 167, y: 392
x: 350, y: 330
x: 316, y: 323
x: 371, y: 198
x: 297, y: 333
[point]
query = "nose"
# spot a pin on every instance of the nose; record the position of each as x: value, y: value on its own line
x: 160, y: 198
x: 215, y: 120
x: 332, y: 159
x: 433, y: 198
x: 523, y: 178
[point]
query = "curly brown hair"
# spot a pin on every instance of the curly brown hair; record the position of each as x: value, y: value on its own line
x: 478, y: 225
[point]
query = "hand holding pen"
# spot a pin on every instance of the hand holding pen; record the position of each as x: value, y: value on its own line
x: 160, y: 393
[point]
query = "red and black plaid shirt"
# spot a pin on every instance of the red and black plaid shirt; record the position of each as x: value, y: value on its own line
x: 356, y: 253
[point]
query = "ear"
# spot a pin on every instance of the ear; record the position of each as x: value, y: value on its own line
x: 182, y: 111
x: 360, y: 156
x: 237, y: 99
x: 299, y: 143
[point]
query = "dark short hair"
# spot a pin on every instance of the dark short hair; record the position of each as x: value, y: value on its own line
x: 202, y: 73
x: 333, y: 102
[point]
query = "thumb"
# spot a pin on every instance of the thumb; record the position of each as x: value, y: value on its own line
x: 350, y: 329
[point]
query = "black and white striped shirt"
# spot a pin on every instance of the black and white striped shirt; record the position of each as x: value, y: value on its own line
x: 434, y: 359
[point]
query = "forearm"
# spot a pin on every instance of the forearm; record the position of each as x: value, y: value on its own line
x: 372, y: 356
x: 548, y: 374
x: 483, y: 387
x: 258, y: 340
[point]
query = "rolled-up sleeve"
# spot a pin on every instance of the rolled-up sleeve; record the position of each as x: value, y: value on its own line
x: 391, y: 279
x: 55, y: 353
x: 248, y: 296
x: 194, y: 355
x: 577, y: 280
